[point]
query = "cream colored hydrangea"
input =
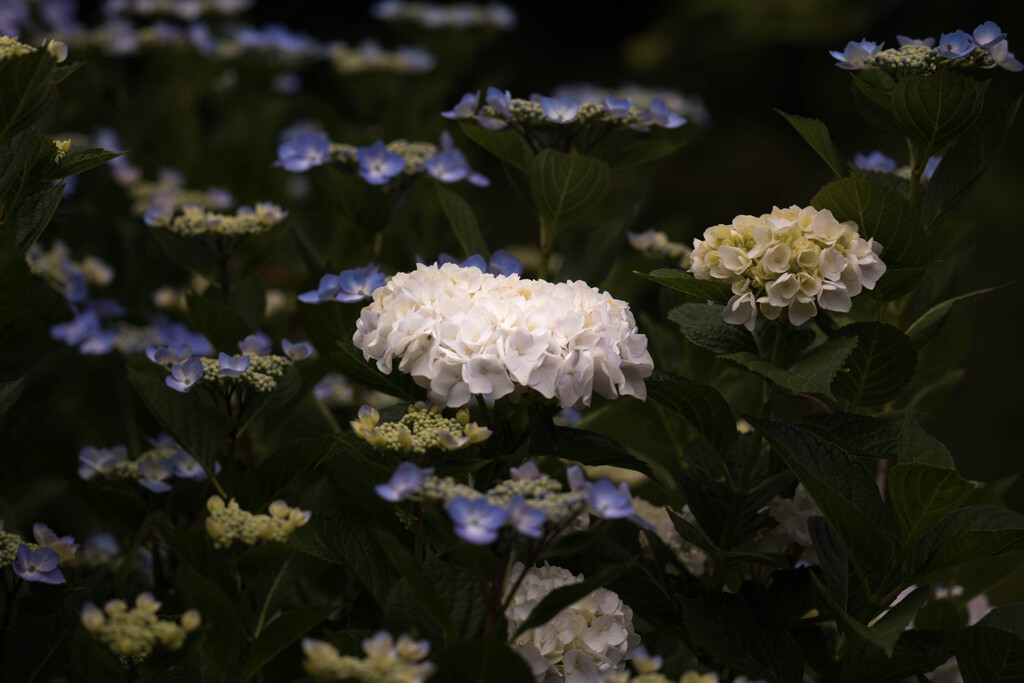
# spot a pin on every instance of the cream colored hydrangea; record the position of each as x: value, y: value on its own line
x: 133, y: 634
x: 792, y: 515
x: 386, y: 661
x: 590, y: 638
x: 791, y: 260
x: 420, y: 429
x: 459, y: 332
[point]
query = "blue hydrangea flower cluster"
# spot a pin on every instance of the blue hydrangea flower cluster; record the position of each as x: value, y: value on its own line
x: 152, y: 469
x: 347, y: 287
x: 984, y: 48
x: 500, y: 263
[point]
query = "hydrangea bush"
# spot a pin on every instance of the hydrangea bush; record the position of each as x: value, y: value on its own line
x: 396, y: 442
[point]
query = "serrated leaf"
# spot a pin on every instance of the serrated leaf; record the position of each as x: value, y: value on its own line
x: 507, y: 145
x: 81, y: 160
x: 843, y: 488
x: 566, y: 187
x: 922, y: 495
x: 587, y: 448
x: 347, y: 540
x: 592, y: 253
x: 859, y: 434
x: 835, y: 563
x: 893, y: 623
x: 413, y: 572
x: 872, y: 95
x: 220, y: 323
x: 879, y: 368
x: 276, y: 471
x: 725, y: 624
x: 13, y: 156
x: 463, y: 222
x: 816, y: 134
x: 682, y: 281
x: 282, y: 632
x: 915, y: 652
x: 967, y: 534
x: 9, y: 393
x: 560, y: 598
x: 925, y: 328
x: 812, y: 373
x: 964, y: 164
x: 702, y: 406
x: 479, y: 661
x: 881, y: 213
x: 351, y: 363
x: 934, y: 110
x: 456, y: 587
x: 917, y: 445
x: 992, y: 651
x: 33, y: 214
x: 702, y: 324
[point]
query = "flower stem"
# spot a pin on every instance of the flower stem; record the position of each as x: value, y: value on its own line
x: 270, y: 594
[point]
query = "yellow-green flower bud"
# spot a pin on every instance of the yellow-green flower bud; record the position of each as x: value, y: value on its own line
x: 191, y: 620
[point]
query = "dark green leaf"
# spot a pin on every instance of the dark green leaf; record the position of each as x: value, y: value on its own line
x: 817, y: 136
x: 351, y: 363
x: 915, y: 652
x: 936, y: 109
x: 457, y: 588
x: 413, y: 572
x: 480, y: 661
x: 637, y: 152
x: 963, y: 165
x: 858, y: 434
x: 880, y: 212
x: 464, y: 224
x: 507, y: 145
x: 916, y: 445
x: 835, y: 563
x: 879, y: 368
x: 922, y: 495
x: 347, y: 540
x: 592, y: 253
x: 186, y: 252
x: 9, y: 393
x: 29, y: 91
x: 680, y: 280
x: 81, y: 160
x: 725, y: 625
x: 201, y: 433
x: 222, y: 631
x: 13, y: 156
x: 566, y: 187
x: 702, y: 324
x: 560, y: 598
x: 872, y: 95
x: 282, y: 632
x: 367, y: 206
x: 33, y: 214
x: 894, y: 622
x: 967, y: 534
x: 898, y: 281
x: 812, y: 373
x: 222, y: 324
x: 278, y: 469
x: 992, y: 651
x: 702, y: 406
x: 587, y: 448
x: 924, y: 329
x: 843, y: 488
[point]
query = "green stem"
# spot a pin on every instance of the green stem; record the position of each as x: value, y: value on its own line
x: 917, y: 164
x: 270, y: 594
x: 547, y: 245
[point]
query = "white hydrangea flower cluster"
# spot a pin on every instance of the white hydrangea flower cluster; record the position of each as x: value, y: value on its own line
x: 386, y: 660
x: 133, y: 634
x: 791, y: 260
x: 792, y: 515
x: 459, y: 332
x: 586, y: 640
x: 693, y: 558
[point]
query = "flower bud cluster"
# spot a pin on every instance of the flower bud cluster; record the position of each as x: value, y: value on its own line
x: 369, y: 56
x: 421, y: 429
x: 655, y: 244
x: 8, y: 546
x: 461, y: 332
x: 166, y: 195
x: 544, y: 494
x: 228, y: 522
x: 690, y: 556
x: 592, y: 637
x: 10, y: 47
x: 791, y: 260
x: 261, y: 375
x: 689, y: 107
x: 194, y: 220
x: 461, y: 15
x: 61, y: 149
x: 385, y: 661
x: 133, y: 634
x: 60, y: 271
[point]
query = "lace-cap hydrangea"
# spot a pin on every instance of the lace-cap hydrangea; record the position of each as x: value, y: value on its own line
x: 789, y: 261
x: 133, y: 634
x: 460, y: 332
x: 385, y: 660
x: 422, y: 428
x: 228, y: 522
